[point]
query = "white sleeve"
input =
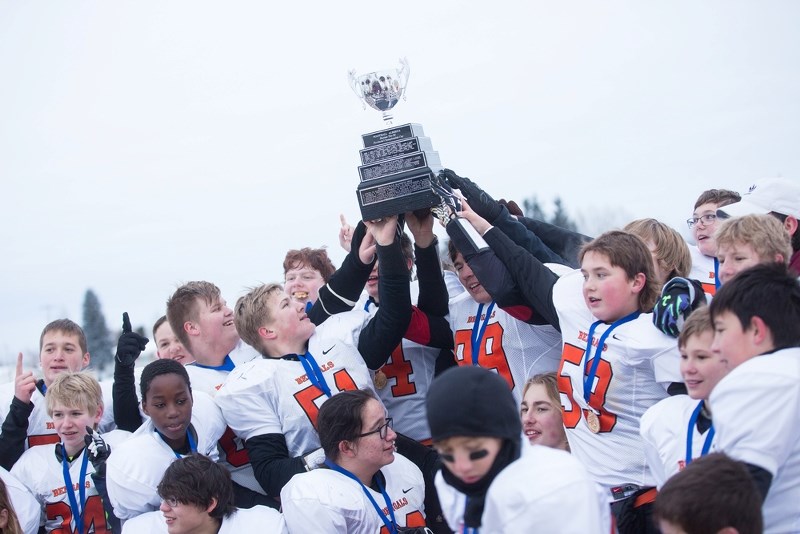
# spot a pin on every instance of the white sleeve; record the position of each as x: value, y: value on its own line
x: 648, y: 430
x: 247, y: 402
x: 129, y: 495
x: 207, y: 415
x: 151, y: 522
x: 305, y: 512
x: 667, y: 366
x: 755, y: 392
x: 553, y: 492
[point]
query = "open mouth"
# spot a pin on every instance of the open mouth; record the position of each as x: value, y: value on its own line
x: 300, y: 295
x: 530, y: 433
x: 228, y: 323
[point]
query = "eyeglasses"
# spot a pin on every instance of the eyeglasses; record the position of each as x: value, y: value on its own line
x: 171, y: 502
x: 382, y: 430
x: 707, y: 219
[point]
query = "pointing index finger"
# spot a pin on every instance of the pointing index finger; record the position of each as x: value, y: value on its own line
x: 126, y: 323
x: 19, y: 365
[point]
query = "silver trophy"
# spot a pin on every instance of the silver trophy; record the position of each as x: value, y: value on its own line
x: 398, y: 164
x: 382, y: 89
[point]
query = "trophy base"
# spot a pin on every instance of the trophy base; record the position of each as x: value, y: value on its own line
x: 398, y: 193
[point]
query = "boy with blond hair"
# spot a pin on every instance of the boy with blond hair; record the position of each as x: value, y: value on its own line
x: 679, y: 429
x: 272, y: 403
x: 62, y: 348
x: 68, y: 478
x: 749, y: 240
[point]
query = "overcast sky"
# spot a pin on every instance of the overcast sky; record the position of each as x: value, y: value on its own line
x: 147, y: 143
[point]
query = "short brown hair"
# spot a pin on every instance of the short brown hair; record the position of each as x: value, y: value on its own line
x: 313, y: 258
x: 67, y: 327
x: 161, y: 320
x: 720, y: 197
x: 76, y: 390
x: 672, y: 252
x: 199, y: 481
x: 764, y: 233
x: 712, y: 493
x: 252, y: 312
x: 628, y: 252
x: 182, y: 306
x: 697, y: 323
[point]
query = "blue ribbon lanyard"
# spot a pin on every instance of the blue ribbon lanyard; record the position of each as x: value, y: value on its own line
x: 227, y: 365
x: 390, y: 522
x: 314, y: 373
x: 189, y: 438
x: 690, y: 434
x: 478, y: 330
x: 309, y: 305
x: 590, y: 374
x: 368, y: 302
x: 77, y: 513
x: 717, y: 283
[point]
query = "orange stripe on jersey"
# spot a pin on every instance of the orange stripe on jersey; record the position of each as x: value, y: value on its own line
x: 710, y: 289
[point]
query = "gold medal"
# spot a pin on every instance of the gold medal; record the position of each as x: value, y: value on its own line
x: 592, y: 421
x: 379, y: 379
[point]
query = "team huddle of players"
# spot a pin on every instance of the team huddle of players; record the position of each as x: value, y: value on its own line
x: 543, y: 381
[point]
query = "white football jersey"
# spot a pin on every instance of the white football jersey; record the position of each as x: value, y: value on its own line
x: 135, y: 468
x: 547, y: 488
x: 27, y: 508
x: 756, y: 411
x: 409, y: 373
x: 638, y: 363
x: 274, y: 395
x: 512, y: 348
x: 255, y: 519
x: 41, y: 430
x: 324, y: 500
x: 664, y: 428
x: 703, y: 270
x: 41, y: 472
x: 232, y: 452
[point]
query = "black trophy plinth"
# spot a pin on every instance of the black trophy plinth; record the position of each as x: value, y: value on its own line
x: 397, y: 167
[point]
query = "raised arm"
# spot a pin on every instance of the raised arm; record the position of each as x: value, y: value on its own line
x: 343, y: 289
x: 386, y: 329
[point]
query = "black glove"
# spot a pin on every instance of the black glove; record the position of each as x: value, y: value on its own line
x: 130, y: 344
x: 679, y: 298
x: 98, y: 451
x: 449, y: 204
x: 479, y: 200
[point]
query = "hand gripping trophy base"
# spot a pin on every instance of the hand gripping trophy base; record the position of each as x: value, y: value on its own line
x: 449, y: 204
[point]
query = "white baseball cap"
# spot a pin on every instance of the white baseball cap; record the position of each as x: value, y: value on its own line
x: 772, y: 194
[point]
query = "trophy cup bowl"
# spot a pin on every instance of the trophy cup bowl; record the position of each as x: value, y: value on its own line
x: 381, y: 90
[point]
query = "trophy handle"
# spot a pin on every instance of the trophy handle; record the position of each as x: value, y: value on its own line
x: 356, y: 87
x: 403, y: 74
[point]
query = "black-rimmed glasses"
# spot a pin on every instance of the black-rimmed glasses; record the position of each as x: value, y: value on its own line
x: 382, y: 430
x: 707, y: 219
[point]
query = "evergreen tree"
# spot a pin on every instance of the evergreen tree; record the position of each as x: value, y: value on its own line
x: 560, y: 217
x: 533, y: 209
x: 98, y: 337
